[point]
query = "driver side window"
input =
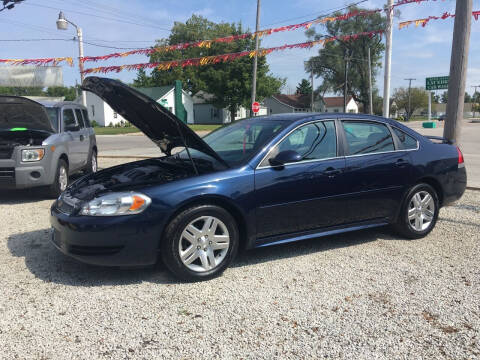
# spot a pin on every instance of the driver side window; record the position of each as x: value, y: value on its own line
x: 314, y: 141
x: 69, y: 122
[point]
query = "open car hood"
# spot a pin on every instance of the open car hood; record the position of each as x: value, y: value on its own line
x: 22, y: 114
x: 159, y: 124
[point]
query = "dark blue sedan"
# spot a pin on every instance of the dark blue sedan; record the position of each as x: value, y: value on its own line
x: 256, y: 182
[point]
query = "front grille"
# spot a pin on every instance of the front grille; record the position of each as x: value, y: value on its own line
x: 6, y: 152
x: 7, y: 173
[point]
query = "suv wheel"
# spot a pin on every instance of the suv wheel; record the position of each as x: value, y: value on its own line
x: 60, y: 182
x: 92, y: 165
x: 200, y: 243
x: 419, y: 212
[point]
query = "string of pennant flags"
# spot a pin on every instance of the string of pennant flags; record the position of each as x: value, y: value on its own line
x: 229, y: 39
x: 425, y: 21
x: 215, y: 59
x: 38, y: 62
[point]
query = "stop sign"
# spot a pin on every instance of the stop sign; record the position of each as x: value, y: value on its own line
x: 255, y: 107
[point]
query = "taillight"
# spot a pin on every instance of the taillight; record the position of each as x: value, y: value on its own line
x: 460, y: 156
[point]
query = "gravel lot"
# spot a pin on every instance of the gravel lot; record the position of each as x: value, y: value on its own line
x: 363, y: 295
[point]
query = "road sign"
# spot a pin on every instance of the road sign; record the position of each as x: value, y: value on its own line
x: 436, y: 83
x: 255, y: 107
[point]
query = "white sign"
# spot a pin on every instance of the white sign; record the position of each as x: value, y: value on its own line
x: 31, y: 76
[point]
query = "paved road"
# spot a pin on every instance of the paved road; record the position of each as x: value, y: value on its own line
x: 140, y: 145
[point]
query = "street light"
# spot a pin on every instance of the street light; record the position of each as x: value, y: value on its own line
x: 62, y: 24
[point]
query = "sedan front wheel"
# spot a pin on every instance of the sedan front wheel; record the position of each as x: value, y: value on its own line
x: 200, y: 243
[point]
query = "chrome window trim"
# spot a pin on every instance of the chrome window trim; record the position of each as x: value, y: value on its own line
x: 258, y: 167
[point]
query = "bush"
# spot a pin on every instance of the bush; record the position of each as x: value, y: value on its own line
x: 94, y: 123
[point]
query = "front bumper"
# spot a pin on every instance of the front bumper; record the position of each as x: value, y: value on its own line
x: 107, y: 241
x: 15, y: 175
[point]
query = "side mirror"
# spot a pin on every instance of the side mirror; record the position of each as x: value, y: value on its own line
x: 285, y: 157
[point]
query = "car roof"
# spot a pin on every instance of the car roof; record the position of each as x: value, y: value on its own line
x: 293, y: 117
x: 58, y: 104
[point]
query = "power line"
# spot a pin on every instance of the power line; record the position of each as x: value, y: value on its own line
x: 99, y: 16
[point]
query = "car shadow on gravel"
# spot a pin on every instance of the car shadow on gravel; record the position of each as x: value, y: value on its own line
x: 48, y: 264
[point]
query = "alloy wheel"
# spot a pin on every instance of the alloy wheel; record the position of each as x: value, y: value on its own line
x: 62, y: 178
x: 94, y: 163
x: 204, y: 244
x: 421, y: 210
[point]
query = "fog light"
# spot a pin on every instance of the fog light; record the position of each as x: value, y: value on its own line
x: 35, y: 174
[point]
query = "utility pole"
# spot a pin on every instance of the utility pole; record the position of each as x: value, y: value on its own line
x: 473, y: 98
x: 370, y: 95
x: 311, y: 84
x: 388, y: 59
x: 255, y: 60
x: 409, y: 99
x: 430, y: 93
x: 458, y: 70
x: 345, y: 87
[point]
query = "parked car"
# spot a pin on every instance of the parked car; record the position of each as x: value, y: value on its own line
x: 253, y: 183
x: 442, y: 117
x: 42, y: 144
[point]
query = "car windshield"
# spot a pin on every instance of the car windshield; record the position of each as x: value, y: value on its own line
x: 53, y: 116
x: 238, y: 142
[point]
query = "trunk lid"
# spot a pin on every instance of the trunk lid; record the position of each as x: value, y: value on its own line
x: 159, y: 124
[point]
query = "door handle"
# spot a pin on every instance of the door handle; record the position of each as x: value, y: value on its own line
x: 331, y: 172
x: 401, y: 162
x: 82, y: 138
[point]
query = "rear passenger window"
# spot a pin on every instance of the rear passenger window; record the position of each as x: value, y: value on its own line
x: 408, y: 142
x: 79, y: 117
x: 367, y: 137
x: 85, y: 118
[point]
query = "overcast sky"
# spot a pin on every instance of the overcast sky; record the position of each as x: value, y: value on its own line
x: 417, y: 52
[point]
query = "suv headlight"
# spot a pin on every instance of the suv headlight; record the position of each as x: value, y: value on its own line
x: 126, y: 203
x: 29, y: 155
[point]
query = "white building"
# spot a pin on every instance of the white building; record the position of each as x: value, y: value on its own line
x: 335, y: 104
x: 104, y: 115
x: 100, y: 112
x: 165, y: 96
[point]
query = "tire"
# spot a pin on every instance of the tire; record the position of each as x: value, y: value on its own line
x: 92, y: 165
x: 59, y: 183
x: 204, y: 258
x: 423, y: 215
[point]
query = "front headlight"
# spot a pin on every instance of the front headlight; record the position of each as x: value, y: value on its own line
x: 32, y: 155
x: 127, y: 203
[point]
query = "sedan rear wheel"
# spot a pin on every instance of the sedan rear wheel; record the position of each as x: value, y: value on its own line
x: 200, y: 243
x: 419, y: 212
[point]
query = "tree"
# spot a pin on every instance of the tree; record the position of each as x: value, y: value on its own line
x: 444, y: 97
x: 330, y: 63
x: 418, y: 99
x: 468, y: 98
x: 229, y: 82
x: 70, y: 93
x: 304, y: 87
x: 436, y: 99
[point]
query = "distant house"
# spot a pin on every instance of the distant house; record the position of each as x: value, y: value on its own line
x: 167, y: 97
x: 335, y: 104
x: 100, y: 112
x: 282, y: 103
x: 207, y: 113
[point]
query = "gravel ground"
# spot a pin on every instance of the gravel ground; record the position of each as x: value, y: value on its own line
x: 363, y: 295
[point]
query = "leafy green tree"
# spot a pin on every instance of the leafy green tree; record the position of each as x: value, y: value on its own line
x: 70, y: 93
x: 418, y: 99
x: 229, y: 82
x: 21, y: 91
x: 304, y: 87
x: 330, y: 63
x: 436, y: 99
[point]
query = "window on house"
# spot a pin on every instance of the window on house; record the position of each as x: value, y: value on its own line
x: 336, y: 110
x: 115, y: 115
